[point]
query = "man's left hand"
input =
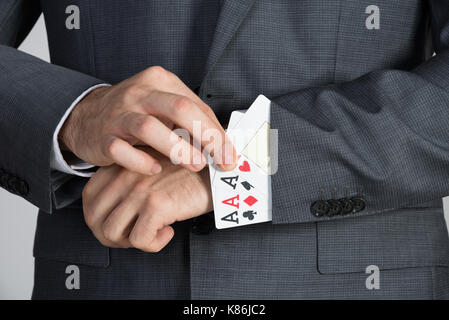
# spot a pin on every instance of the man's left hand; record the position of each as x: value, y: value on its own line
x: 127, y: 209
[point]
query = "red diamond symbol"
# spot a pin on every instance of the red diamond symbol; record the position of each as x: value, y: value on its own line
x: 250, y: 200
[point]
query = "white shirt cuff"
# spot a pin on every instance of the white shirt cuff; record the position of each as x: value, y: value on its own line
x: 71, y: 164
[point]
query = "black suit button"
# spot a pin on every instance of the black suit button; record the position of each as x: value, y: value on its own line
x: 203, y: 224
x: 334, y: 208
x: 346, y: 206
x: 319, y: 208
x: 22, y: 188
x: 13, y: 183
x: 359, y: 204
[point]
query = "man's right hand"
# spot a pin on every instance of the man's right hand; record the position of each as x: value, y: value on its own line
x: 142, y: 110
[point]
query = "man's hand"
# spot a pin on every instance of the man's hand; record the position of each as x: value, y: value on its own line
x: 127, y: 209
x: 143, y: 110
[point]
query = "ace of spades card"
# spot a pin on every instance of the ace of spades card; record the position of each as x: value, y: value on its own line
x: 243, y: 196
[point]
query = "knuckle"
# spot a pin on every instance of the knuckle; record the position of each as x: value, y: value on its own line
x: 149, y: 247
x: 92, y: 214
x: 144, y: 237
x: 111, y: 233
x: 153, y: 248
x: 132, y: 91
x: 183, y: 105
x: 155, y: 201
x: 89, y: 217
x: 111, y: 147
x: 133, y: 241
x: 146, y: 125
x: 132, y: 96
x: 104, y: 242
x: 137, y: 240
x: 156, y: 72
x: 107, y: 243
x: 124, y: 244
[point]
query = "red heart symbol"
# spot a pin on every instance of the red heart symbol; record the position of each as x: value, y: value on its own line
x: 245, y: 167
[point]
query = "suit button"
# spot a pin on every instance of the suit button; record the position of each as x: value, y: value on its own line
x: 22, y: 188
x: 319, y: 208
x: 203, y: 224
x: 12, y: 184
x: 359, y: 204
x: 346, y: 206
x: 334, y: 208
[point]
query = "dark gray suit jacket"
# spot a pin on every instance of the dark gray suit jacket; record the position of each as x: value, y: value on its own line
x: 361, y: 113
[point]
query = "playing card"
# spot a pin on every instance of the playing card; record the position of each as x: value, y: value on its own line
x: 249, y: 132
x: 239, y: 207
x: 258, y: 148
x: 243, y: 182
x: 247, y: 173
x: 235, y: 118
x: 255, y: 122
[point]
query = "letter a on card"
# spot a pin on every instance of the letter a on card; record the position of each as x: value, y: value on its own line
x: 232, y: 201
x: 230, y: 181
x: 230, y: 217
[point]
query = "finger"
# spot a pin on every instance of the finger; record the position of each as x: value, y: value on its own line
x: 163, y: 237
x: 118, y: 225
x: 99, y: 180
x: 155, y: 134
x: 149, y: 235
x: 133, y: 159
x: 108, y: 198
x: 184, y: 90
x: 185, y: 113
x: 203, y: 106
x: 175, y: 85
x: 105, y: 242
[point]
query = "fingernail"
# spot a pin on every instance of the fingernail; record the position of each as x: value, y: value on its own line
x: 199, y: 163
x: 198, y: 166
x: 156, y: 168
x: 229, y: 157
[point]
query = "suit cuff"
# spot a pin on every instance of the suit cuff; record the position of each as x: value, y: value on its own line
x: 69, y: 163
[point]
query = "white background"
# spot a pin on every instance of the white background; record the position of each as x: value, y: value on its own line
x: 18, y: 217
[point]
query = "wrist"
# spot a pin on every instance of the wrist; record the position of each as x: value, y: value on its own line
x: 204, y: 174
x: 67, y: 134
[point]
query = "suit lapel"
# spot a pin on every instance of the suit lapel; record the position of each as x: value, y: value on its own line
x: 231, y: 16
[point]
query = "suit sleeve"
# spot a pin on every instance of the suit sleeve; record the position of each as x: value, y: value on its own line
x: 382, y: 140
x: 34, y: 96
